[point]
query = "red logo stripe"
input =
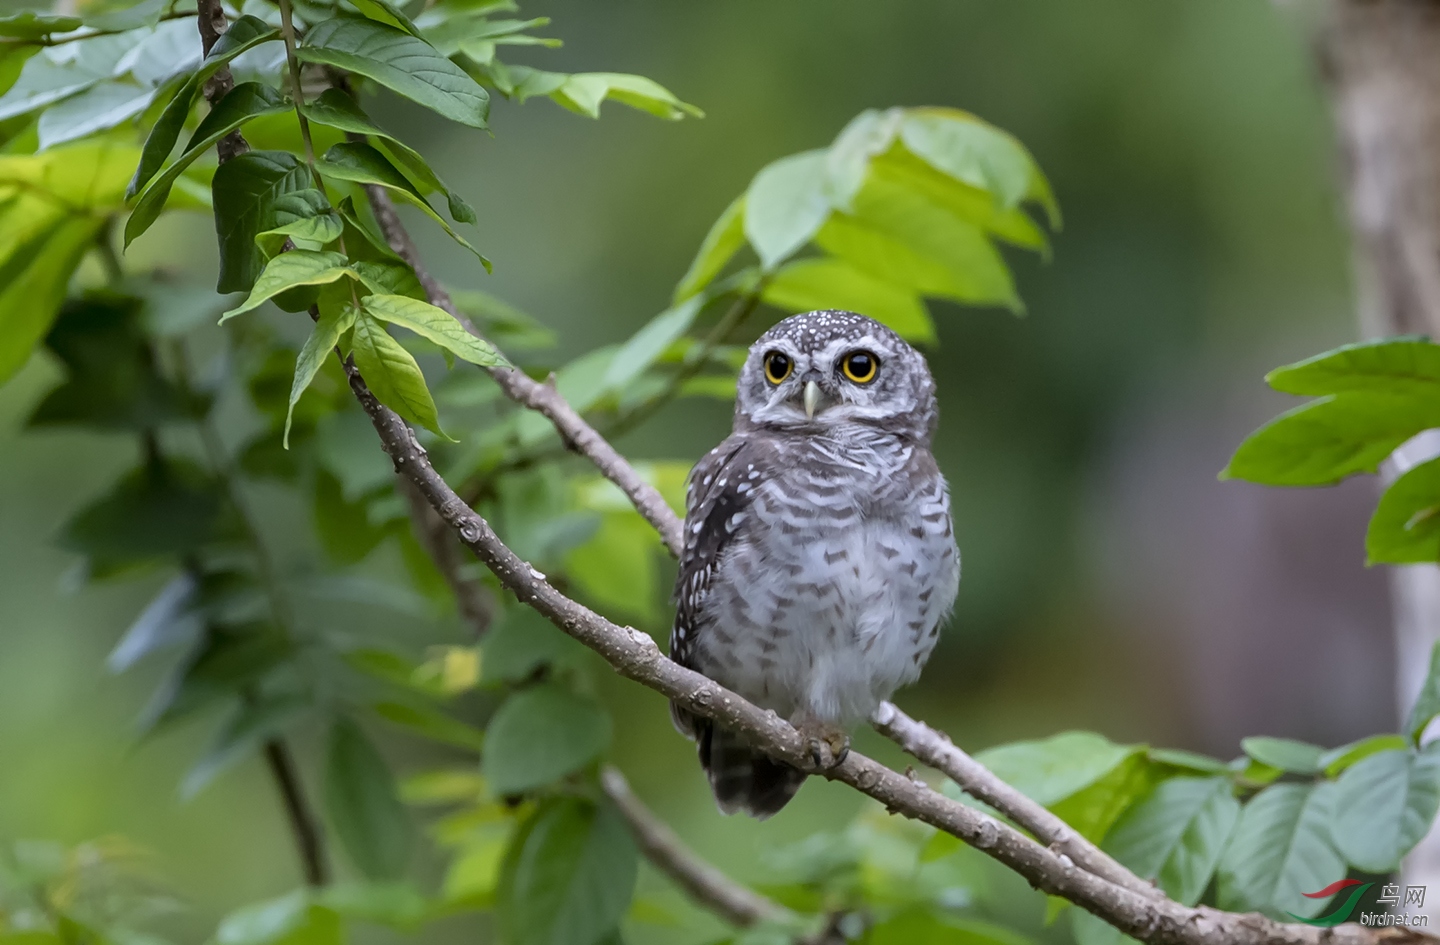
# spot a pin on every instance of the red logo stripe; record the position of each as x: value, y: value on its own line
x: 1332, y: 889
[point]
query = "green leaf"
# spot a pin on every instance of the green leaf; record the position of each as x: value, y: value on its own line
x: 1189, y: 760
x: 343, y: 526
x: 785, y: 206
x: 1384, y: 805
x: 362, y: 164
x: 498, y: 319
x: 541, y: 734
x: 617, y: 567
x: 245, y: 33
x: 868, y: 135
x: 323, y: 339
x: 1404, y: 528
x: 584, y: 91
x: 1390, y: 366
x: 1324, y: 441
x: 37, y: 279
x: 112, y: 380
x: 167, y: 621
x: 127, y: 16
x: 95, y: 109
x: 1095, y: 809
x: 971, y: 151
x: 1427, y: 703
x: 32, y: 25
x: 1281, y: 849
x: 401, y: 62
x: 433, y: 724
x: 398, y: 905
x: 524, y: 642
x: 51, y: 208
x: 1090, y: 930
x: 226, y: 661
x: 568, y: 875
x: 1177, y: 834
x: 899, y: 168
x: 363, y: 804
x: 246, y: 729
x: 647, y: 345
x: 1052, y: 769
x: 290, y: 920
x: 53, y: 75
x: 1284, y: 753
x: 324, y: 227
x: 924, y: 927
x: 288, y: 270
x: 161, y: 508
x: 807, y: 284
x: 392, y: 374
x: 382, y: 11
x: 433, y: 324
x: 1337, y: 760
x: 244, y: 102
x: 249, y: 189
x: 725, y: 238
x: 898, y: 236
x: 336, y: 109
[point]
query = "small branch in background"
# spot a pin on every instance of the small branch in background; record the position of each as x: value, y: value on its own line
x: 739, y: 905
x: 303, y: 823
x: 936, y: 750
x: 522, y: 389
x: 473, y: 599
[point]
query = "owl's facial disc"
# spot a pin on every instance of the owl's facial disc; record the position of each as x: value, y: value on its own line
x: 830, y: 371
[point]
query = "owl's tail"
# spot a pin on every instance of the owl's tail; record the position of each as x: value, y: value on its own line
x: 742, y: 778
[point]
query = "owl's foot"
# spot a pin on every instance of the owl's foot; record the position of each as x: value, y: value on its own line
x: 829, y: 745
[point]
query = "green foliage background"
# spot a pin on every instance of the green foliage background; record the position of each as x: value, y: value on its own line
x: 1192, y: 155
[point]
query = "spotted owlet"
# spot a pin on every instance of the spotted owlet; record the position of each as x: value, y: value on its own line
x: 819, y: 557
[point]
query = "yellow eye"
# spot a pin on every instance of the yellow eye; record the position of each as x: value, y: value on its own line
x: 860, y: 366
x: 777, y: 366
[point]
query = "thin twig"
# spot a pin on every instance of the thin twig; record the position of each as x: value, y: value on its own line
x: 304, y: 826
x: 739, y: 905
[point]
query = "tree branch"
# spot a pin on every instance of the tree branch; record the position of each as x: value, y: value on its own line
x: 634, y: 655
x: 737, y: 904
x: 212, y: 23
x: 523, y: 389
x: 936, y: 750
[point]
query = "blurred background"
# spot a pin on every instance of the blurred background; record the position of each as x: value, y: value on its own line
x: 1110, y: 581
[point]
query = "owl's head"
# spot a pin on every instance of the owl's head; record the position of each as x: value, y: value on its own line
x: 821, y: 370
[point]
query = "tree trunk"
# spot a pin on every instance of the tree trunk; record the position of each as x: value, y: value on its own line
x: 1381, y: 62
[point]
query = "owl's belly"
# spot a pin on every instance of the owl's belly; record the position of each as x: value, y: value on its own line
x: 831, y: 619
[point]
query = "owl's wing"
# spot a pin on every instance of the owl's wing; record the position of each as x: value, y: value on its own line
x: 720, y: 486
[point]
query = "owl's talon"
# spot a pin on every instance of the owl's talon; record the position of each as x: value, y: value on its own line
x: 828, y: 746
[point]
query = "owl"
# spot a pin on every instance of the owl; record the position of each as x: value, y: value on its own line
x: 819, y: 558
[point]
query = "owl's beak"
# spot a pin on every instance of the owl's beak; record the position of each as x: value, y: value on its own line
x: 812, y: 399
